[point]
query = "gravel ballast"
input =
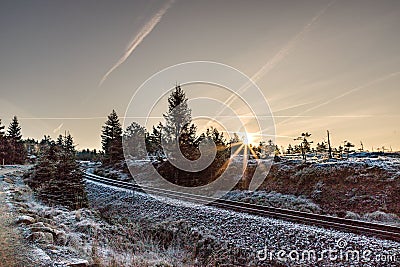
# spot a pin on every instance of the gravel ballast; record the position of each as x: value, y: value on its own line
x: 265, y: 241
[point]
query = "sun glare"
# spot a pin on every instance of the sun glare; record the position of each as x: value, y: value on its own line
x: 249, y: 139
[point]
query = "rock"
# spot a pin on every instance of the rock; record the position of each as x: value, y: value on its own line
x: 40, y: 257
x: 8, y: 180
x: 40, y: 237
x: 75, y: 263
x: 78, y: 215
x: 25, y: 219
x: 22, y: 210
x: 61, y: 238
x: 22, y: 205
x: 43, y: 229
x: 38, y: 224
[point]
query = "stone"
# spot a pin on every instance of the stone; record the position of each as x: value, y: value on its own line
x: 28, y: 220
x: 40, y: 237
x: 61, y: 238
x: 40, y: 258
x: 76, y: 263
x: 44, y: 229
x: 38, y: 224
x: 8, y: 180
x: 78, y: 215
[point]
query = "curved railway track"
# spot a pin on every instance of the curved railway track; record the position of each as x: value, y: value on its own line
x: 355, y: 226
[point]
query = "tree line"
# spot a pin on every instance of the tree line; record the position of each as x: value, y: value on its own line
x: 57, y: 178
x: 177, y: 130
x: 178, y: 126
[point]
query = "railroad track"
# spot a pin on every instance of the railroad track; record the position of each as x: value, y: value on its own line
x: 355, y: 226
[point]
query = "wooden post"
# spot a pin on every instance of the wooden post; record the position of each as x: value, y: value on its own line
x: 329, y: 146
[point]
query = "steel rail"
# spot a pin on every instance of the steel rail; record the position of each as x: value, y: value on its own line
x: 383, y: 231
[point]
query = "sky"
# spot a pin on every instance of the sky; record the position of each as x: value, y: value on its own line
x: 321, y: 65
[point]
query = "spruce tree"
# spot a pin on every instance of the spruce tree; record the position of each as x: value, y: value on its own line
x: 1, y: 130
x: 45, y: 169
x: 70, y: 178
x: 17, y: 151
x: 134, y: 144
x: 153, y: 142
x: 57, y: 178
x: 178, y: 117
x: 3, y: 145
x: 111, y: 139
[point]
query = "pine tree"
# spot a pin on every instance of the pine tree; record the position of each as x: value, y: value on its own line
x: 111, y: 139
x: 348, y: 146
x: 70, y: 178
x: 305, y: 145
x: 3, y: 144
x: 134, y: 143
x: 17, y: 152
x: 153, y: 142
x: 57, y: 178
x: 290, y: 149
x: 45, y: 169
x: 1, y: 129
x: 188, y: 136
x: 178, y: 117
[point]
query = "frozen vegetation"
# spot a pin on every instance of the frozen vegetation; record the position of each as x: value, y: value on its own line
x: 124, y: 228
x: 238, y: 236
x: 274, y: 199
x: 56, y: 236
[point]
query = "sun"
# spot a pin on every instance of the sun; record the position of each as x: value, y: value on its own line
x: 249, y: 139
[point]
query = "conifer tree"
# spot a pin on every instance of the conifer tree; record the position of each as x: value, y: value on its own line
x: 178, y: 117
x: 17, y: 151
x: 111, y: 139
x: 57, y: 178
x: 3, y: 144
x: 133, y: 140
x: 153, y: 142
x: 45, y: 169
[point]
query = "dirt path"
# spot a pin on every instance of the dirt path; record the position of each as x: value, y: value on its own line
x: 12, y: 247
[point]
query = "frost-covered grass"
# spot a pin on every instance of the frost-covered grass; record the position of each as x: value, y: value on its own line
x: 12, y: 248
x: 235, y: 231
x: 87, y: 235
x: 274, y: 199
x: 377, y: 217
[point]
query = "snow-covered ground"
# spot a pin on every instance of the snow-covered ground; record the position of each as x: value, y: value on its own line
x: 254, y: 235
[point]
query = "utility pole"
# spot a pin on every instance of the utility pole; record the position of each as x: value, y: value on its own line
x: 329, y: 145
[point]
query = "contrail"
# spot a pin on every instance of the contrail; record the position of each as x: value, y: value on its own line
x: 294, y: 106
x: 289, y: 46
x: 58, y: 128
x: 61, y: 118
x: 358, y: 88
x: 282, y: 53
x: 139, y: 38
